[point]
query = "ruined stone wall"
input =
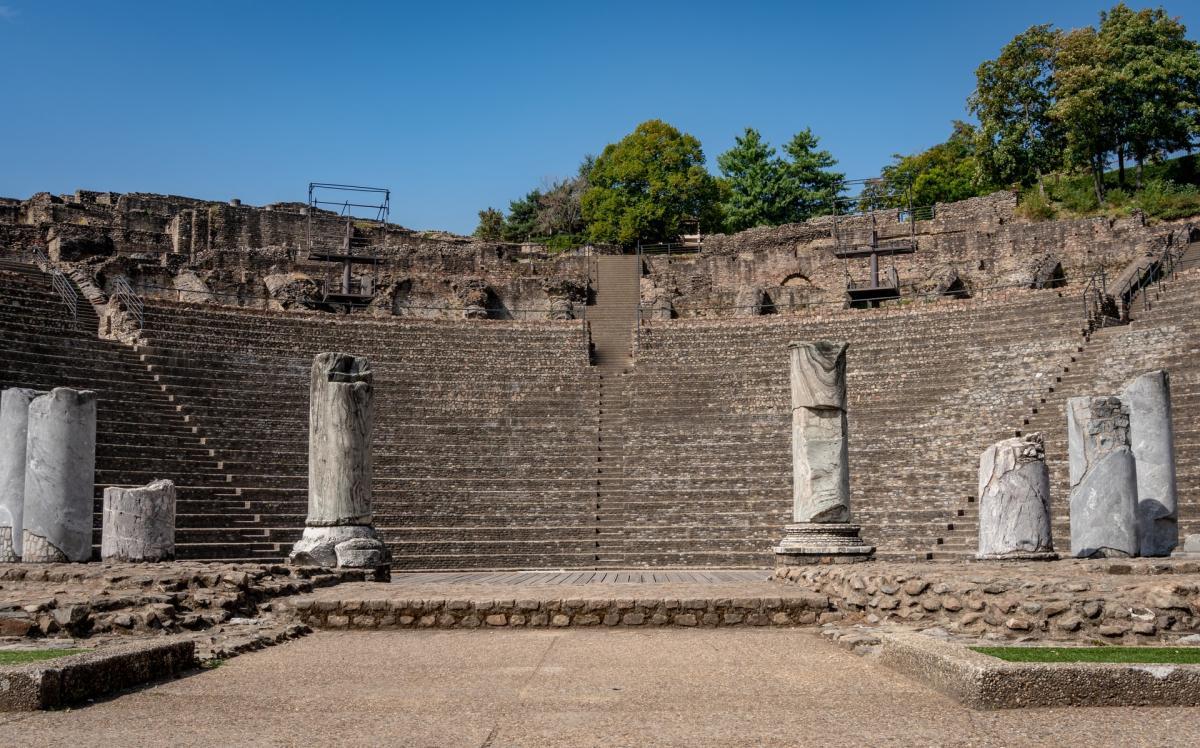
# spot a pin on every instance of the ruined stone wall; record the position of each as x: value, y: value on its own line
x: 256, y: 256
x: 185, y: 249
x: 980, y: 241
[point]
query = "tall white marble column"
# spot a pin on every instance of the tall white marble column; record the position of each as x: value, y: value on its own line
x: 60, y: 474
x: 1103, y: 478
x: 821, y: 531
x: 341, y: 415
x: 14, y: 429
x: 1152, y: 441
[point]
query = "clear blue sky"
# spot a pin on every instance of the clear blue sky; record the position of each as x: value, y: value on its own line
x: 461, y: 105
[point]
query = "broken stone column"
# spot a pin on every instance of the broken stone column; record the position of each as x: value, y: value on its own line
x: 821, y: 531
x: 139, y: 523
x: 1014, y: 501
x: 341, y: 413
x: 1152, y: 441
x: 60, y: 472
x: 1103, y: 479
x: 14, y: 423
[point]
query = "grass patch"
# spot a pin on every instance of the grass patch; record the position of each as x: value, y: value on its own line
x: 23, y: 656
x: 1150, y: 655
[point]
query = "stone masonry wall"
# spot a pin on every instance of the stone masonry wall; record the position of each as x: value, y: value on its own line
x: 255, y: 256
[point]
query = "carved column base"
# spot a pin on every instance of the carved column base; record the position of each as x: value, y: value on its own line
x: 343, y: 546
x: 809, y: 543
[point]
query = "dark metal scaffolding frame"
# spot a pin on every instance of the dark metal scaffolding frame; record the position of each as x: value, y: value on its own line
x: 858, y: 204
x: 353, y: 245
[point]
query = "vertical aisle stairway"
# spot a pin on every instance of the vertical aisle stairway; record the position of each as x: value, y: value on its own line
x: 612, y: 320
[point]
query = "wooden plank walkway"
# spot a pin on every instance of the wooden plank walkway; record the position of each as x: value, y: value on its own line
x: 577, y: 578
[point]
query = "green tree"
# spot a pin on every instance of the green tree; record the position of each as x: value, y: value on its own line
x: 754, y: 194
x: 521, y: 223
x: 946, y: 172
x: 560, y: 208
x: 1086, y: 104
x: 1019, y: 140
x: 809, y: 185
x: 643, y: 187
x: 491, y: 224
x: 1154, y: 70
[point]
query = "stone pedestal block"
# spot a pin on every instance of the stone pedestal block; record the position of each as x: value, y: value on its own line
x: 808, y: 543
x: 820, y: 459
x: 361, y: 553
x: 14, y: 423
x: 1103, y: 479
x: 340, y: 416
x: 60, y: 467
x: 318, y: 545
x: 139, y: 523
x: 1152, y: 441
x: 1014, y: 501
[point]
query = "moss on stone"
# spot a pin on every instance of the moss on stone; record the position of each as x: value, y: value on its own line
x: 24, y: 656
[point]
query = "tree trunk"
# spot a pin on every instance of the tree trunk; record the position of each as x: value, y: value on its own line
x: 1098, y: 177
x: 1121, y: 167
x: 1140, y: 162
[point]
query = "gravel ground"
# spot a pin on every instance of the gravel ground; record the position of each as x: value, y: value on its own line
x: 577, y: 687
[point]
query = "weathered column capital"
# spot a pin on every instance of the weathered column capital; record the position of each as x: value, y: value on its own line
x: 818, y: 374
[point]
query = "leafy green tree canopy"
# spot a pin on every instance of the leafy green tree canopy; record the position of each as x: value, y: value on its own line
x: 944, y: 173
x: 491, y: 224
x: 762, y: 189
x: 521, y: 224
x: 645, y: 186
x: 1019, y: 140
x: 754, y: 194
x: 809, y: 184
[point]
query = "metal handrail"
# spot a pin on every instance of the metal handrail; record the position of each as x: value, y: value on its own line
x: 1160, y: 269
x: 128, y: 298
x: 1094, y: 296
x: 66, y: 293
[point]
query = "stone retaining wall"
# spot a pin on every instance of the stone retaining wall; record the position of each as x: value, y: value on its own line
x: 1131, y: 602
x: 443, y: 613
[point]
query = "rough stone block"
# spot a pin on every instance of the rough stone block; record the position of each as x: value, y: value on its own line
x: 1014, y: 500
x: 139, y: 523
x: 363, y: 552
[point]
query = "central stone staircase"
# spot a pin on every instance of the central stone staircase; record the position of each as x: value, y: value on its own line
x: 613, y: 320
